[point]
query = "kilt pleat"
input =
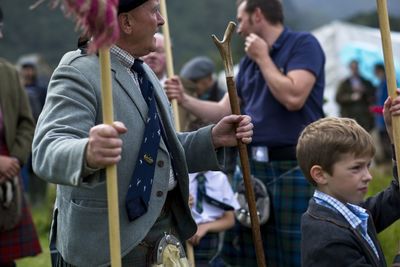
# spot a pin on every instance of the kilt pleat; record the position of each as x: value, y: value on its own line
x: 21, y: 241
x: 289, y: 192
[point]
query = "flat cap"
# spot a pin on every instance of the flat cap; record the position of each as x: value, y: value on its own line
x: 128, y: 5
x: 197, y: 68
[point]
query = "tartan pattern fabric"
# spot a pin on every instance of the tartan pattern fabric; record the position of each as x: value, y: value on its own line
x: 290, y: 193
x: 22, y: 241
x: 206, y: 249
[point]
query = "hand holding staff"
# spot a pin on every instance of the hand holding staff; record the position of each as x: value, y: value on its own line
x: 225, y: 51
x: 99, y: 19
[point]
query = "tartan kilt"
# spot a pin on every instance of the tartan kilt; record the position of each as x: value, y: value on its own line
x: 21, y: 241
x: 206, y: 249
x: 289, y: 195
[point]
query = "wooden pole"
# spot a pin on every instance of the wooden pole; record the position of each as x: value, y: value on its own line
x: 226, y: 54
x: 111, y: 171
x: 175, y: 108
x: 389, y: 70
x: 169, y: 60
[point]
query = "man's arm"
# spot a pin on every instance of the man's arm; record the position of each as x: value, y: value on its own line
x: 292, y: 89
x: 221, y: 224
x: 206, y: 110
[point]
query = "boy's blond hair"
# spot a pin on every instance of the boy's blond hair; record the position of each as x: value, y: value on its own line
x: 323, y: 142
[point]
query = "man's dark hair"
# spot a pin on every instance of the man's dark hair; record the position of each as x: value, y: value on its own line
x: 379, y: 66
x: 271, y: 9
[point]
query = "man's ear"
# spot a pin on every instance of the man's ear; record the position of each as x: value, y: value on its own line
x: 125, y: 22
x: 318, y: 174
x: 257, y: 15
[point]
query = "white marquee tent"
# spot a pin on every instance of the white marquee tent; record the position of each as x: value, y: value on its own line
x: 343, y: 42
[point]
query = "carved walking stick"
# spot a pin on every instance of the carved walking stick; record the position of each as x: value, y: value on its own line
x: 226, y: 54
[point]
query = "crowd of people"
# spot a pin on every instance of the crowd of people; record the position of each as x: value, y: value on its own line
x: 184, y: 184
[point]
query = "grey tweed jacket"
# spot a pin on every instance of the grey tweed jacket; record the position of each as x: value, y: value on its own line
x: 73, y: 106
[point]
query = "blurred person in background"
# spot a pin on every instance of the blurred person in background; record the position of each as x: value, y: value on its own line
x: 156, y: 59
x: 384, y: 147
x: 355, y: 95
x: 18, y: 237
x: 199, y: 81
x: 28, y: 68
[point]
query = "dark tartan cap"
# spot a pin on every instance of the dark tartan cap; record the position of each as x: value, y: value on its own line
x: 128, y: 5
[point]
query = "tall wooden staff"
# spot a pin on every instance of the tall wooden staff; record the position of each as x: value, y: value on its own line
x: 99, y: 20
x: 389, y: 69
x: 111, y: 171
x: 170, y: 73
x: 224, y: 48
x: 391, y: 82
x: 169, y: 60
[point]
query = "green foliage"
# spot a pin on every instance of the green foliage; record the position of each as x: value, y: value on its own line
x: 48, y: 32
x: 371, y: 19
x: 43, y: 30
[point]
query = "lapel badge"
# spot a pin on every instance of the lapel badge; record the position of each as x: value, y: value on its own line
x: 148, y: 159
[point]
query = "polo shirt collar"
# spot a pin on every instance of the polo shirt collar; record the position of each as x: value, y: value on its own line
x: 281, y: 39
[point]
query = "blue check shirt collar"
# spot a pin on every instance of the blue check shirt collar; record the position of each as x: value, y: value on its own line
x: 356, y: 216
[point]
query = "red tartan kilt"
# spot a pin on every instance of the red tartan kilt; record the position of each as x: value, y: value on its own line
x: 21, y: 241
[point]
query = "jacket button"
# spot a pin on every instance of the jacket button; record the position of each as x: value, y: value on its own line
x: 160, y: 163
x: 159, y: 193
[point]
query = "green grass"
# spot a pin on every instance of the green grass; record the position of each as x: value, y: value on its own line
x: 42, y: 217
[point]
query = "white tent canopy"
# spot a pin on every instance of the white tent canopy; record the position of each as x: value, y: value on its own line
x: 343, y: 42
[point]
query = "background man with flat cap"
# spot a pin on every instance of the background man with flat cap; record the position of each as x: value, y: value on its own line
x: 72, y: 147
x: 200, y: 71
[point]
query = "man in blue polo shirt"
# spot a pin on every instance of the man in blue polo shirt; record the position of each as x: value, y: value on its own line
x: 280, y: 85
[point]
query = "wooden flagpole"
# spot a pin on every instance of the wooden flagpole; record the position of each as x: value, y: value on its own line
x: 170, y: 73
x: 169, y: 60
x: 389, y: 69
x: 111, y: 171
x: 391, y: 82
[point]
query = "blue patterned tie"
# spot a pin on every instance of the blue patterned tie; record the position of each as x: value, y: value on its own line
x: 139, y: 190
x: 201, y: 191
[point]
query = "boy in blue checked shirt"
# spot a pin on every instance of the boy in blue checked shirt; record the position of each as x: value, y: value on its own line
x: 339, y: 228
